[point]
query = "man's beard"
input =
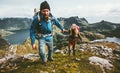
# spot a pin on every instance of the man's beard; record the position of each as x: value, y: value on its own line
x: 45, y: 17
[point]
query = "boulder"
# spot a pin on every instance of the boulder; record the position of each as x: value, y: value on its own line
x: 103, y: 63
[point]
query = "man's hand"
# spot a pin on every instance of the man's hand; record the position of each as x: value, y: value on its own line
x: 64, y: 30
x: 34, y: 47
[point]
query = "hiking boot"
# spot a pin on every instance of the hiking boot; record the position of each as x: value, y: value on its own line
x: 45, y: 63
x: 50, y: 59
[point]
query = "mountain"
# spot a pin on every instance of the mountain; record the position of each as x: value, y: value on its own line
x: 79, y: 21
x: 115, y: 32
x: 99, y: 27
x: 103, y: 26
x: 15, y: 23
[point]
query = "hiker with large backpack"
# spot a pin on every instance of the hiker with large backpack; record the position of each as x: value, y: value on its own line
x: 41, y: 29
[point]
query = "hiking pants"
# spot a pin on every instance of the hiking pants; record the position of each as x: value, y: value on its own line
x: 42, y: 49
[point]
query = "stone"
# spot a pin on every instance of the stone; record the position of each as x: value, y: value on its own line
x: 103, y: 63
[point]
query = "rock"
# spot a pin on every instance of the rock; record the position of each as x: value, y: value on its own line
x: 2, y: 60
x: 81, y: 50
x: 3, y: 44
x: 32, y: 57
x: 12, y: 49
x: 103, y: 63
x: 6, y: 58
x: 43, y: 72
x: 77, y: 59
x: 57, y: 51
x: 53, y: 71
x: 116, y: 53
x: 60, y: 52
x: 16, y: 59
x: 96, y: 49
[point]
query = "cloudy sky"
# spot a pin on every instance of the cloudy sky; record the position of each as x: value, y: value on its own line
x: 92, y: 10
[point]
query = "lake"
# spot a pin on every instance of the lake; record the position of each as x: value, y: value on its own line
x: 19, y: 37
x: 110, y: 39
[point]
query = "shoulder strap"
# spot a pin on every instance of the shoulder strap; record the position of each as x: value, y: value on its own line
x: 38, y: 16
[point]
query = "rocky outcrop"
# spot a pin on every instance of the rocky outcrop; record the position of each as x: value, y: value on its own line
x: 15, y: 55
x: 3, y: 47
x: 3, y: 44
x: 108, y: 50
x: 103, y: 63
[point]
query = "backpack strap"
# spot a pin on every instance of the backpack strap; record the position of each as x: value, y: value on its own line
x: 38, y: 16
x: 38, y: 27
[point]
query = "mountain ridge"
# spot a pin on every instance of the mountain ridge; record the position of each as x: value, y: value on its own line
x: 97, y: 27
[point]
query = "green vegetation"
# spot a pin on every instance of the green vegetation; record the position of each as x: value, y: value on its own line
x: 62, y: 64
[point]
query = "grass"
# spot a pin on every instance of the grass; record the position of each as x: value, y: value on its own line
x: 62, y: 64
x: 2, y: 53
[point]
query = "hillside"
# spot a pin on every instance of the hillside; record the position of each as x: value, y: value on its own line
x: 103, y: 26
x: 94, y: 57
x: 113, y: 33
x: 3, y: 45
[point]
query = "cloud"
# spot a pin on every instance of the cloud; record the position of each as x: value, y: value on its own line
x: 94, y: 10
x: 15, y: 12
x: 97, y: 12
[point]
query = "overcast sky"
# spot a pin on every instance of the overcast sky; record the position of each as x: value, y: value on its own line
x: 92, y: 10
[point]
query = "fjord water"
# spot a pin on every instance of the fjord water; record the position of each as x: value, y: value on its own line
x: 19, y: 37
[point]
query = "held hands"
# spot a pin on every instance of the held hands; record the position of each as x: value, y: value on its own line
x: 34, y: 47
x: 64, y: 30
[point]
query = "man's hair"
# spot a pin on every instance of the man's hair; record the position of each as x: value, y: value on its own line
x: 44, y: 5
